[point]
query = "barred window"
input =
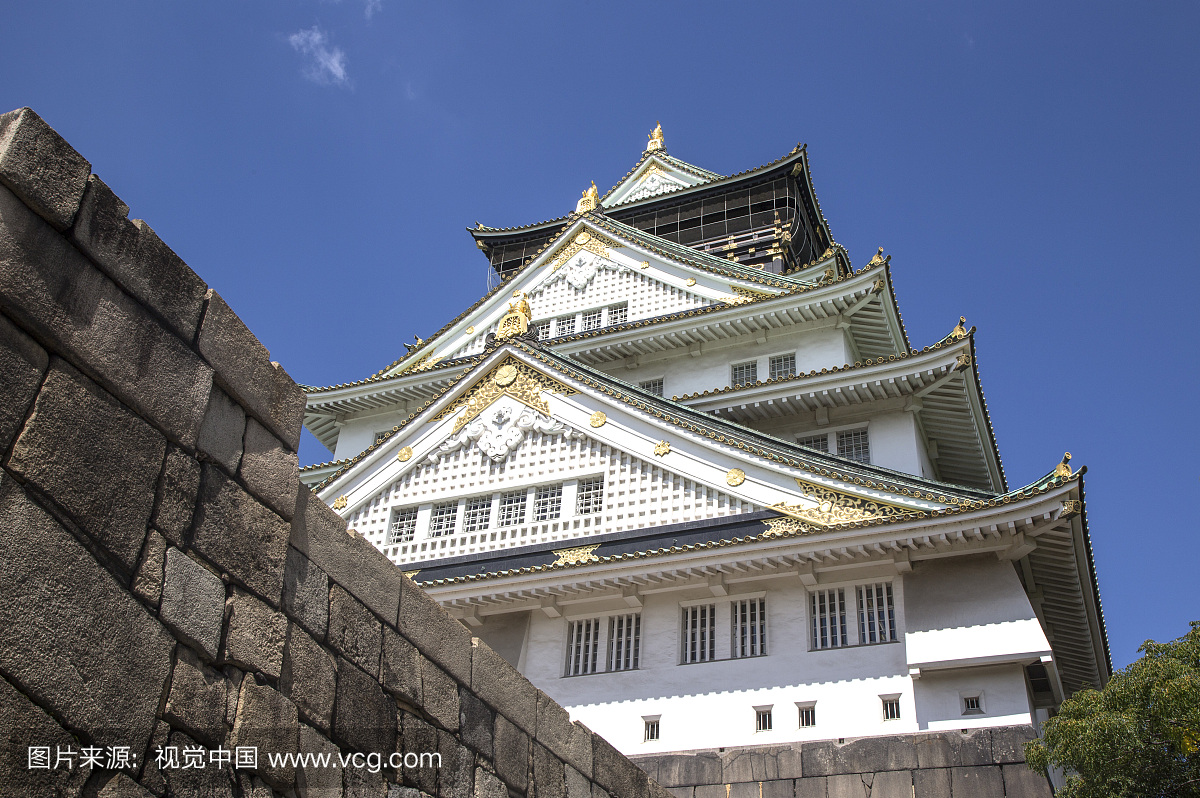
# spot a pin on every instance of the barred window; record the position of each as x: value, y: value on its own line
x: 593, y: 319
x: 808, y: 714
x: 618, y: 314
x: 564, y: 325
x: 441, y: 520
x: 652, y: 386
x: 973, y: 704
x: 589, y: 497
x: 403, y: 526
x: 853, y: 443
x: 829, y: 618
x: 762, y: 719
x: 782, y: 366
x: 818, y: 442
x: 891, y: 707
x: 512, y: 508
x: 743, y: 373
x: 699, y: 633
x: 749, y: 622
x: 583, y: 646
x: 876, y: 614
x: 547, y: 502
x: 624, y: 641
x: 478, y: 513
x: 543, y: 330
x: 651, y: 729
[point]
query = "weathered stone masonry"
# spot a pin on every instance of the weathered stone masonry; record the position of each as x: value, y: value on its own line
x: 165, y: 578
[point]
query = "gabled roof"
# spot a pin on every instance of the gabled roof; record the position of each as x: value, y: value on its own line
x: 670, y: 173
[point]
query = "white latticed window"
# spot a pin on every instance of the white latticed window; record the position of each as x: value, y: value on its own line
x: 818, y: 442
x: 808, y: 714
x: 589, y: 497
x: 762, y: 719
x: 782, y: 366
x: 876, y: 615
x: 441, y: 520
x: 853, y: 443
x: 543, y: 330
x: 583, y: 646
x: 749, y: 621
x: 743, y: 373
x: 547, y: 503
x: 593, y: 319
x: 651, y: 729
x: 403, y: 526
x: 618, y: 314
x: 478, y: 513
x: 624, y: 641
x: 829, y: 618
x: 512, y: 509
x: 699, y: 633
x: 652, y: 386
x: 891, y: 707
x: 564, y: 325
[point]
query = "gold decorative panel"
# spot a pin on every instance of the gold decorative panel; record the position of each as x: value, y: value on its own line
x: 663, y: 448
x: 339, y: 503
x: 835, y: 507
x: 735, y: 477
x: 576, y: 555
x: 598, y: 419
x: 512, y: 378
x: 404, y: 454
x: 584, y: 240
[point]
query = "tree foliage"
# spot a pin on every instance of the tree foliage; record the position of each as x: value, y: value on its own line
x: 1139, y: 737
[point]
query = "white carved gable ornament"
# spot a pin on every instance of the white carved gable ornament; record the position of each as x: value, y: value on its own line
x: 500, y: 432
x: 655, y: 182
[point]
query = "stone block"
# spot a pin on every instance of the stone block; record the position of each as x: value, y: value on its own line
x: 196, y: 703
x: 308, y: 678
x: 306, y: 593
x: 488, y: 786
x: 577, y: 784
x: 849, y: 785
x: 779, y: 788
x: 51, y: 290
x: 512, y: 754
x: 711, y: 791
x: 456, y: 776
x: 318, y: 782
x: 320, y: 534
x: 549, y: 774
x: 502, y: 686
x: 255, y: 635
x: 270, y: 470
x: 354, y: 631
x: 814, y: 787
x: 615, y: 773
x: 193, y: 602
x: 476, y: 723
x: 148, y: 581
x: 269, y: 721
x: 137, y: 259
x: 244, y: 368
x: 360, y: 783
x: 99, y: 461
x: 1008, y: 743
x: 364, y: 718
x: 760, y: 763
x: 209, y: 782
x: 933, y: 783
x: 175, y: 503
x: 400, y: 669
x: 152, y: 777
x: 892, y: 784
x: 569, y: 741
x: 41, y: 168
x: 415, y: 736
x: 121, y: 786
x: 222, y: 431
x: 1021, y: 782
x: 951, y: 749
x: 675, y: 770
x: 862, y: 755
x: 22, y: 723
x: 440, y: 694
x: 22, y: 366
x: 240, y: 536
x: 74, y: 639
x: 982, y: 781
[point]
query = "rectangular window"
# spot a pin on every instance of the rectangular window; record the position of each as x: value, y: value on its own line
x: 618, y: 314
x: 972, y: 705
x: 441, y: 520
x: 583, y: 646
x: 379, y: 436
x: 589, y: 497
x: 547, y: 502
x: 543, y: 330
x: 829, y: 618
x: 512, y: 508
x: 783, y: 366
x: 624, y: 641
x: 403, y: 526
x: 876, y: 614
x: 818, y: 442
x: 808, y: 714
x: 699, y: 633
x: 478, y: 513
x: 749, y: 621
x: 593, y: 319
x: 743, y: 373
x: 651, y: 729
x: 762, y: 719
x: 891, y: 707
x: 564, y: 325
x: 853, y: 443
x: 652, y: 386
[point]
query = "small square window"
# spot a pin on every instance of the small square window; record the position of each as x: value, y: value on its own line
x: 564, y: 325
x: 808, y: 714
x: 593, y: 319
x: 547, y: 503
x: 618, y: 314
x: 441, y: 520
x: 818, y: 442
x: 403, y: 526
x: 762, y: 719
x: 589, y: 497
x: 853, y: 443
x: 783, y: 366
x: 652, y: 386
x: 744, y: 373
x: 478, y: 513
x: 891, y: 707
x: 651, y: 729
x: 972, y: 704
x: 512, y: 509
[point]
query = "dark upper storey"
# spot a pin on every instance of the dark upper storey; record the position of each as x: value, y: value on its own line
x: 767, y: 218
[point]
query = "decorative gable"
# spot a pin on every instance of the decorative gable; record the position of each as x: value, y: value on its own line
x: 655, y: 176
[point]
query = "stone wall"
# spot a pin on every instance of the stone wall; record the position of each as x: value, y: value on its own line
x: 982, y: 763
x: 167, y: 581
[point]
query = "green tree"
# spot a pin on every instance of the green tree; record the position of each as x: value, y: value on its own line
x: 1139, y: 737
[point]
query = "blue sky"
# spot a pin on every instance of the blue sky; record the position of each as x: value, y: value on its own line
x: 1032, y: 166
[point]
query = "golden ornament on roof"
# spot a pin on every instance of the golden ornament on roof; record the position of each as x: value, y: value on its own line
x: 598, y: 419
x: 506, y: 375
x: 735, y: 477
x: 339, y: 503
x: 404, y: 454
x: 1063, y: 469
x: 663, y: 448
x: 877, y: 259
x: 589, y: 200
x: 656, y: 138
x: 960, y: 331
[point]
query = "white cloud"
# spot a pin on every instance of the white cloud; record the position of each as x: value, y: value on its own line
x: 372, y: 6
x: 327, y: 65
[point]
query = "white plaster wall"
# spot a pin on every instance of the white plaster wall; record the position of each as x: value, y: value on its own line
x: 895, y: 442
x: 358, y: 434
x: 1001, y: 688
x: 963, y: 592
